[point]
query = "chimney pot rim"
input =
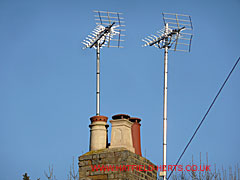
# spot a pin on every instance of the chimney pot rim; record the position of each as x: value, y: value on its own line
x: 120, y: 116
x: 135, y: 119
x: 98, y: 118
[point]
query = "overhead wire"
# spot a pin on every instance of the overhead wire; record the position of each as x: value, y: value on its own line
x: 204, y: 117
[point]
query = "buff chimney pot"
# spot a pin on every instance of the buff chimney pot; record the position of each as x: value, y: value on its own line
x: 121, y: 135
x: 98, y: 133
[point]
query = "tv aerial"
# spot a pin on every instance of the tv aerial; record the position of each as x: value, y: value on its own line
x: 108, y: 33
x: 177, y: 36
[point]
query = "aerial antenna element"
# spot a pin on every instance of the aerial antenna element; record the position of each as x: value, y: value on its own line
x: 108, y: 32
x: 176, y: 36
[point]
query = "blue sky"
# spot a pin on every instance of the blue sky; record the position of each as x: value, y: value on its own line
x: 47, y: 92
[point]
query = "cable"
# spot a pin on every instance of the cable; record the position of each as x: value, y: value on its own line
x: 203, y: 118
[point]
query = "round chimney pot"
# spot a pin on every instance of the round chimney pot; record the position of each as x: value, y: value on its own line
x: 99, y: 118
x: 134, y: 119
x: 120, y: 116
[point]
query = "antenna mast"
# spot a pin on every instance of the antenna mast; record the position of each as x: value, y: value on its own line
x: 107, y: 33
x: 171, y: 37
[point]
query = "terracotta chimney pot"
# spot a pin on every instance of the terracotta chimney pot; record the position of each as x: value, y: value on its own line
x: 136, y: 137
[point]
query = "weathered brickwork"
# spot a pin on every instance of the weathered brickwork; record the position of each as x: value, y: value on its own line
x: 117, y: 163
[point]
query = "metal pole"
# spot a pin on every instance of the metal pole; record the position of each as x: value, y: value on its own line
x: 165, y: 103
x: 98, y: 81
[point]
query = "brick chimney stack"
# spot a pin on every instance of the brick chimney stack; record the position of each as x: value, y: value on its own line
x: 124, y: 150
